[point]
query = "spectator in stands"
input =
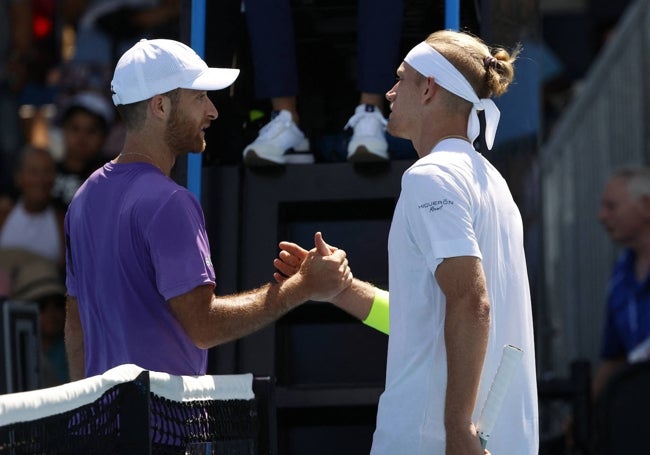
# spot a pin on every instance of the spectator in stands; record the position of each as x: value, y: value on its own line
x: 34, y: 223
x: 453, y: 304
x: 270, y: 29
x: 139, y: 276
x: 35, y: 279
x: 625, y: 214
x: 104, y: 30
x: 15, y: 52
x: 85, y: 122
x: 107, y: 28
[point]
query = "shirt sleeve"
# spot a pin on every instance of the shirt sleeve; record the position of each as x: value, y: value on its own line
x: 179, y: 246
x: 440, y: 215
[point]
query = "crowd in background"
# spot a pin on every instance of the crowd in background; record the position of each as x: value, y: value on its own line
x: 57, y: 125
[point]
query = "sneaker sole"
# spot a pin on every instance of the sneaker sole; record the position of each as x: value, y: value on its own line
x: 363, y: 155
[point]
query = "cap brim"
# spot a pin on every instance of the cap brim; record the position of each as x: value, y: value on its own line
x: 214, y: 79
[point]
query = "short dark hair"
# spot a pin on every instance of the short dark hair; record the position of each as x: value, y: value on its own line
x: 133, y: 114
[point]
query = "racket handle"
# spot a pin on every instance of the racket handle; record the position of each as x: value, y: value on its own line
x: 510, y: 360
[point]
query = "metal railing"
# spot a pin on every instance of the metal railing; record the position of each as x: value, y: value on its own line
x: 606, y: 126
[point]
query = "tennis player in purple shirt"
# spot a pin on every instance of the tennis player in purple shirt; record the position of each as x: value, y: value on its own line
x: 139, y: 276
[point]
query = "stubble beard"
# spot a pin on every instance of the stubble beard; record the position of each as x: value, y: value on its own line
x: 181, y: 135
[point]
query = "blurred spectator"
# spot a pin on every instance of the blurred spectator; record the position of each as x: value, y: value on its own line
x: 104, y: 29
x: 34, y: 223
x: 625, y: 214
x: 85, y: 121
x: 35, y: 279
x: 15, y: 46
x: 109, y: 27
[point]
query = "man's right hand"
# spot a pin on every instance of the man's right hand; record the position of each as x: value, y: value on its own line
x: 323, y: 271
x: 289, y: 259
x: 357, y: 299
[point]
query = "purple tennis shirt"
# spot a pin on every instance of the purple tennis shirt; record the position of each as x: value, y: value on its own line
x: 135, y: 239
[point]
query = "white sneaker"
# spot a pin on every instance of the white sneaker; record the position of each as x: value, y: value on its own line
x: 279, y: 142
x: 368, y: 142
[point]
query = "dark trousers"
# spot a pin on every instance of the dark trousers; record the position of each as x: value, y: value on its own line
x: 273, y: 47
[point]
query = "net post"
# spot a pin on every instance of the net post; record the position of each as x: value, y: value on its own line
x: 264, y: 390
x: 134, y: 415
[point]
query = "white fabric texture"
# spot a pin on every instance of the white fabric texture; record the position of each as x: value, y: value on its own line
x: 454, y: 203
x: 206, y: 387
x: 430, y: 63
x: 38, y: 233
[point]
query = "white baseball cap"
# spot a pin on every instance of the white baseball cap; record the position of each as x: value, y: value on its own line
x: 153, y: 67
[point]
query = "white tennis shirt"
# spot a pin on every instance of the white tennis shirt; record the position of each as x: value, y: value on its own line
x: 453, y: 203
x: 38, y: 233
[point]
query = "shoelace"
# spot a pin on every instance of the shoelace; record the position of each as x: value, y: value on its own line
x: 365, y: 123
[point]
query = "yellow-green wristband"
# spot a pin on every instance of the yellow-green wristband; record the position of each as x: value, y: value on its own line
x: 378, y: 317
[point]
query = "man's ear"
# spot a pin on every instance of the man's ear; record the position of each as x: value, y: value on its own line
x: 430, y: 89
x: 160, y: 106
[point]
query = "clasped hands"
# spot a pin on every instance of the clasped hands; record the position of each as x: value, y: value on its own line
x: 323, y: 271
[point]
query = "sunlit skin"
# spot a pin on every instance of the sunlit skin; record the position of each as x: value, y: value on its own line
x: 175, y: 125
x: 188, y: 120
x: 420, y: 111
x: 405, y: 92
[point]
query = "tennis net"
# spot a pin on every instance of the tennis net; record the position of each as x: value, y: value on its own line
x: 131, y: 410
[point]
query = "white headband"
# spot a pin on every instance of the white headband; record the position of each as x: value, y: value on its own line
x: 430, y: 63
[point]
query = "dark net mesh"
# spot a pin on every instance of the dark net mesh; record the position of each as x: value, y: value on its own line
x: 129, y: 419
x: 93, y: 428
x: 231, y: 425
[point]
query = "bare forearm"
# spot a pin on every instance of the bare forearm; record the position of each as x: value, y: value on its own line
x: 357, y: 299
x: 467, y: 323
x: 211, y: 320
x: 466, y: 333
x: 215, y: 320
x: 239, y: 315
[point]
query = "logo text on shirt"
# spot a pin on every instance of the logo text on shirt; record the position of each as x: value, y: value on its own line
x: 435, y: 205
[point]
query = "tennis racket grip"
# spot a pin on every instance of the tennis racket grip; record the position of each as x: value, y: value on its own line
x: 510, y: 360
